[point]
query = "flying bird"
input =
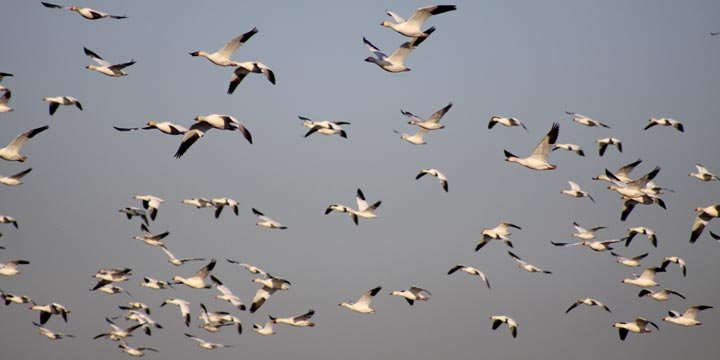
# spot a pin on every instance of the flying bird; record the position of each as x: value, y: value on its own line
x: 605, y: 142
x: 223, y: 57
x: 688, y: 318
x: 470, y: 270
x: 324, y: 127
x: 704, y: 216
x: 675, y: 260
x: 660, y: 295
x: 500, y: 232
x: 4, y: 219
x: 432, y: 123
x: 266, y: 329
x: 640, y: 325
x: 584, y: 120
x: 220, y: 203
x: 703, y: 174
x: 11, y: 267
x: 593, y: 245
x: 269, y: 286
x: 85, y: 12
x: 151, y: 203
x: 498, y: 320
x: 538, y: 159
x: 646, y: 279
x: 297, y: 321
x: 631, y: 262
x: 251, y: 268
x: 364, y: 210
x: 643, y: 231
x: 248, y: 67
x: 622, y: 174
x: 11, y: 152
x: 197, y: 281
x: 165, y: 127
x: 416, y: 139
x: 665, y: 122
x: 134, y: 351
x: 436, y: 173
x: 570, y: 147
x: 588, y: 302
x: 55, y: 102
x: 585, y: 234
x: 207, y: 345
x: 227, y: 295
x: 184, y: 308
x: 525, y: 266
x: 14, y: 180
x: 150, y: 238
x: 396, y: 61
x: 575, y: 191
x: 51, y: 334
x: 104, y: 67
x: 411, y: 27
x: 4, y: 99
x: 362, y: 305
x: 266, y: 222
x: 413, y: 294
x: 505, y: 121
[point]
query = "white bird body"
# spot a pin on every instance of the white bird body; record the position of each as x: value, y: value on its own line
x: 470, y: 270
x: 663, y: 295
x: 432, y: 123
x: 584, y: 120
x: 184, y: 308
x: 4, y: 101
x: 498, y: 320
x: 207, y: 345
x: 688, y: 318
x: 575, y: 191
x: 226, y: 294
x: 265, y: 330
x: 646, y: 279
x: 55, y: 102
x: 588, y: 302
x: 155, y: 284
x: 362, y: 305
x: 11, y: 152
x: 705, y: 214
x: 631, y: 262
x: 135, y: 352
x: 585, y: 234
x: 500, y: 232
x: 703, y: 174
x: 267, y: 222
x: 413, y: 294
x: 505, y: 121
x: 85, y: 12
x: 538, y: 159
x: 436, y: 173
x: 364, y: 210
x: 220, y: 203
x: 223, y: 57
x: 11, y: 268
x: 151, y: 203
x: 640, y: 325
x: 197, y: 281
x: 51, y: 334
x: 570, y: 147
x: 416, y: 139
x: 14, y: 180
x: 150, y: 238
x: 411, y: 27
x: 665, y: 122
x: 396, y: 61
x: 526, y: 266
x: 297, y: 321
x: 198, y: 202
x: 104, y: 67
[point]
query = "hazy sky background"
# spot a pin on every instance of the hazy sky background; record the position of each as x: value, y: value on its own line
x: 618, y: 62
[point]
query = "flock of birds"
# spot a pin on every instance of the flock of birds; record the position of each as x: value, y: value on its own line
x: 632, y: 191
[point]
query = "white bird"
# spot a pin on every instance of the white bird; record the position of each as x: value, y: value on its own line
x: 156, y: 284
x: 117, y: 334
x: 641, y: 230
x: 11, y: 152
x: 104, y: 67
x: 227, y: 295
x: 705, y: 215
x: 632, y: 189
x: 85, y: 12
x: 584, y: 120
x: 206, y: 122
x: 131, y: 212
x: 416, y: 139
x: 621, y: 174
x: 47, y: 310
x: 575, y: 191
x: 362, y: 305
x: 646, y: 279
x: 538, y: 159
x: 505, y: 121
x: 594, y: 245
x: 411, y: 27
x: 4, y: 101
x: 570, y: 147
x: 245, y: 68
x: 436, y: 173
x: 197, y: 281
x: 498, y: 320
x: 14, y: 180
x: 605, y: 142
x: 151, y: 203
x: 660, y: 295
x: 251, y: 268
x: 211, y: 321
x: 14, y: 299
x: 165, y: 127
x: 432, y: 123
x: 500, y: 232
x: 585, y: 234
x: 198, y: 202
x: 111, y: 289
x: 269, y: 286
x: 141, y: 318
x: 184, y: 308
x: 703, y: 174
x: 470, y: 270
x: 150, y: 238
x: 267, y: 222
x: 4, y: 219
x: 55, y: 102
x: 11, y: 268
x: 525, y: 266
x: 297, y: 321
x: 51, y: 334
x: 113, y: 275
x: 207, y: 345
x: 629, y: 204
x: 640, y: 325
x: 134, y: 306
x: 588, y: 302
x: 688, y: 318
x: 223, y: 57
x: 665, y: 122
x: 396, y: 61
x: 676, y: 260
x: 632, y: 262
x: 413, y: 294
x: 265, y: 330
x: 364, y: 210
x: 132, y: 351
x: 324, y: 127
x: 220, y: 203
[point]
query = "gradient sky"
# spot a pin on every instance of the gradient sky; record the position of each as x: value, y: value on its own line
x: 616, y: 61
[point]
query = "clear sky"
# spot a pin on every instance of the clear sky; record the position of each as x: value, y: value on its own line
x: 616, y: 61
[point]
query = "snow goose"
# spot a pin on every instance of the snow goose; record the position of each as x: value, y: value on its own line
x: 411, y: 26
x: 631, y: 262
x: 104, y: 67
x: 525, y: 266
x: 220, y: 203
x: 538, y: 159
x: 245, y: 68
x: 165, y: 127
x: 4, y: 219
x: 135, y: 305
x: 14, y: 299
x: 396, y: 61
x: 588, y: 302
x: 132, y: 351
x: 4, y: 101
x: 632, y: 189
x: 111, y: 289
x: 197, y: 281
x: 198, y: 202
x: 155, y: 284
x: 85, y: 12
x: 500, y: 232
x: 51, y: 334
x: 432, y: 123
x: 643, y: 231
x: 436, y: 173
x: 198, y: 130
x: 498, y: 320
x: 223, y: 57
x: 184, y: 308
x: 646, y: 279
x: 11, y: 268
x: 207, y: 323
x: 665, y: 122
x: 505, y: 121
x: 584, y: 120
x: 640, y: 325
x: 269, y: 286
x: 131, y: 212
x: 267, y: 222
x: 113, y: 274
x: 675, y: 260
x: 224, y: 122
x: 227, y: 295
x: 470, y: 270
x: 585, y: 234
x: 413, y: 294
x: 703, y: 174
x: 11, y: 152
x: 629, y: 204
x: 604, y: 142
x: 55, y: 102
x: 141, y: 318
x: 207, y: 345
x: 117, y: 334
x: 46, y: 311
x: 705, y: 215
x: 575, y: 191
x: 660, y: 295
x: 324, y: 127
x: 593, y: 245
x: 14, y: 180
x: 621, y: 174
x: 570, y: 147
x: 364, y: 210
x: 251, y: 268
x: 688, y: 318
x: 362, y: 305
x: 265, y: 330
x: 416, y: 139
x: 297, y: 321
x: 151, y: 203
x: 150, y: 238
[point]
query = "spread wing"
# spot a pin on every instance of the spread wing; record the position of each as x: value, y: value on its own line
x: 203, y: 273
x: 21, y: 139
x: 398, y: 56
x: 435, y: 117
x: 543, y: 148
x: 360, y: 199
x: 232, y: 45
x: 422, y: 14
x: 398, y: 19
x: 366, y: 298
x: 379, y: 54
x: 95, y: 57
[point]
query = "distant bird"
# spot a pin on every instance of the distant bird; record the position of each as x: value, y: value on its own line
x: 641, y: 230
x: 11, y: 152
x: 227, y: 295
x: 14, y: 180
x: 213, y: 321
x: 151, y: 203
x: 324, y: 127
x: 266, y: 222
x: 703, y: 174
x: 4, y: 99
x: 156, y: 284
x: 411, y: 27
x: 184, y: 308
x: 622, y: 174
x: 633, y: 189
x: 220, y: 203
x: 631, y: 262
x: 4, y: 219
x: 500, y: 232
x: 629, y: 204
x: 117, y: 334
x: 432, y: 123
x: 584, y: 120
x: 150, y: 238
x: 134, y: 305
x: 113, y: 275
x: 46, y: 311
x: 436, y: 173
x: 111, y: 289
x: 505, y: 121
x: 660, y: 295
x: 585, y: 234
x: 207, y: 345
x: 705, y: 215
x: 132, y: 351
x: 498, y: 320
x: 165, y: 127
x: 248, y: 67
x: 525, y: 266
x: 197, y: 281
x: 87, y: 13
x: 665, y: 122
x: 538, y: 159
x: 269, y: 286
x: 688, y: 318
x: 396, y: 61
x: 646, y: 279
x: 575, y: 191
x: 265, y: 330
x: 364, y: 210
x: 55, y: 102
x: 297, y: 321
x: 470, y: 270
x: 131, y: 212
x: 588, y: 302
x: 675, y: 260
x: 104, y: 67
x: 51, y: 334
x: 413, y: 294
x: 593, y: 245
x: 198, y: 202
x: 362, y: 305
x: 416, y: 139
x: 640, y: 325
x: 11, y: 267
x: 252, y: 269
x: 206, y: 122
x: 223, y: 57
x: 570, y: 147
x: 605, y: 142
x: 14, y: 299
